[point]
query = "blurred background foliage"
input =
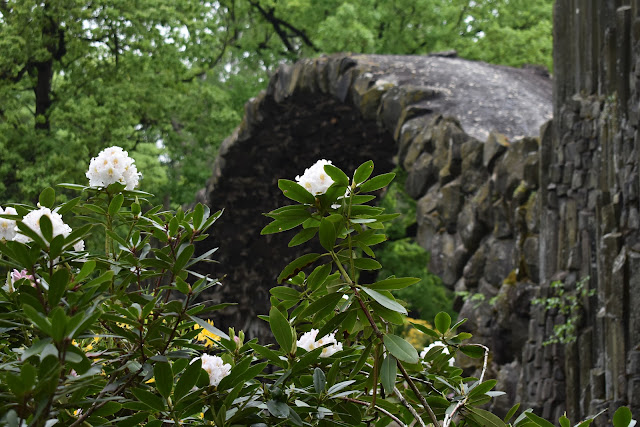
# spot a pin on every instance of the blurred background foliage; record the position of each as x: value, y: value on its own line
x: 167, y: 80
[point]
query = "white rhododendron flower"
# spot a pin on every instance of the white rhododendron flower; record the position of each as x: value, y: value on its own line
x: 7, y: 226
x: 32, y: 220
x: 14, y: 276
x: 308, y: 342
x: 112, y: 165
x: 436, y: 344
x: 215, y: 367
x: 315, y: 180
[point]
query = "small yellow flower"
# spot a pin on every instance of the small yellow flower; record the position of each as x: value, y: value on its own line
x: 205, y: 336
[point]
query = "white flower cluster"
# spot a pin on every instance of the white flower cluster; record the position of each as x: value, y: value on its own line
x: 424, y: 352
x: 112, y: 165
x: 308, y: 342
x: 215, y: 367
x: 9, y: 230
x: 7, y: 226
x: 315, y: 180
x: 32, y: 220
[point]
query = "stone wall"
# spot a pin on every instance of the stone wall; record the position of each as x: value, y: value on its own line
x: 589, y: 218
x: 350, y: 108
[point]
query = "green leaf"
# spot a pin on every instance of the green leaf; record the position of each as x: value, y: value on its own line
x: 363, y: 172
x: 47, y: 198
x: 303, y: 235
x: 564, y: 421
x: 184, y: 255
x: 511, y: 412
x: 296, y: 192
x: 484, y: 418
x: 442, y: 322
x: 482, y: 388
x: 164, y: 378
x: 148, y: 398
x: 472, y: 351
x: 388, y: 374
x: 297, y: 265
x: 622, y: 417
x: 385, y: 301
x: 318, y: 276
x: 285, y: 293
x: 37, y: 319
x: 319, y: 380
x: 198, y: 215
x: 538, y: 420
x: 377, y: 182
x: 400, y: 348
x: 339, y: 177
x: 46, y: 228
x: 393, y: 284
x: 327, y: 302
x: 327, y: 234
x: 278, y: 225
x: 281, y: 330
x: 210, y: 327
x: 278, y: 409
x: 188, y: 379
x: 58, y: 286
x: 116, y: 204
x: 366, y: 264
x: 425, y: 330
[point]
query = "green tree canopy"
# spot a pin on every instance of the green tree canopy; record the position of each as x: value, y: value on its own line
x: 167, y: 80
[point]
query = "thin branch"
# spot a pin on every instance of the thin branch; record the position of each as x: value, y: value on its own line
x: 408, y: 406
x: 379, y: 409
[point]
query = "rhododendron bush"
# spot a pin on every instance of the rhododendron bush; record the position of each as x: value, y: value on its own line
x: 118, y: 336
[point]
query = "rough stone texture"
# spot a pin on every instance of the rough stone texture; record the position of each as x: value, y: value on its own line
x: 350, y: 108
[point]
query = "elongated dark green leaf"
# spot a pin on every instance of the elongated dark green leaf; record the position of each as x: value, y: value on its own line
x: 327, y: 234
x: 361, y: 360
x: 329, y: 301
x: 366, y: 264
x: 425, y: 330
x: 285, y: 293
x: 393, y: 284
x: 37, y: 319
x: 538, y: 420
x: 47, y: 197
x: 319, y: 380
x: 377, y: 182
x: 622, y: 417
x: 164, y: 378
x: 472, y: 351
x: 87, y: 268
x: 485, y: 418
x: 385, y: 301
x: 116, y: 204
x: 46, y: 228
x: 297, y: 265
x: 482, y: 388
x: 278, y: 225
x: 296, y: 192
x: 198, y: 215
x: 388, y: 374
x: 511, y: 413
x: 281, y: 329
x: 184, y: 255
x: 318, y: 276
x: 442, y: 322
x: 339, y: 177
x: 148, y: 398
x: 58, y: 285
x: 363, y: 172
x: 564, y: 421
x: 400, y: 348
x: 209, y: 327
x: 188, y: 379
x: 303, y: 235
